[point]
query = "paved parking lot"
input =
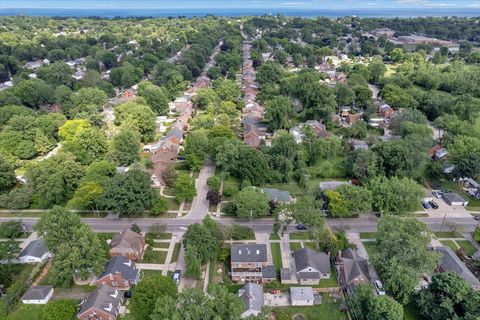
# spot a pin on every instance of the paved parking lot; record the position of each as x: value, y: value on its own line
x: 443, y: 207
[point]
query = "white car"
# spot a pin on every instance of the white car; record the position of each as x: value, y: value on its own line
x: 379, y: 288
x: 437, y: 194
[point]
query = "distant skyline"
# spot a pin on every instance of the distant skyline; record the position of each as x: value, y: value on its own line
x: 190, y: 8
x: 303, y: 4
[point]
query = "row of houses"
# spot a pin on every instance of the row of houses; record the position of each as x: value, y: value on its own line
x: 254, y: 133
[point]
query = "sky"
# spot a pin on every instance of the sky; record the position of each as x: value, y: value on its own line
x: 273, y: 4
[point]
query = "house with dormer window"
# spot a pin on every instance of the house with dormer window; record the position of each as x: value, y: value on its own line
x: 102, y: 304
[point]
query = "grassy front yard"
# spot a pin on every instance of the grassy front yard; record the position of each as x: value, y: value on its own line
x: 467, y: 246
x: 371, y: 248
x: 299, y: 236
x: 157, y: 257
x: 448, y: 234
x: 160, y: 236
x: 151, y: 273
x: 328, y: 310
x: 368, y: 235
x: 176, y: 252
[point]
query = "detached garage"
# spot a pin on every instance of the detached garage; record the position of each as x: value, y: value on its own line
x: 454, y: 199
x: 37, y: 295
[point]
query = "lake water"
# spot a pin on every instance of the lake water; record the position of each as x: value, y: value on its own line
x: 189, y: 8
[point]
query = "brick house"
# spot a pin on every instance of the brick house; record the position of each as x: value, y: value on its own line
x: 128, y: 244
x: 249, y: 263
x: 102, y: 304
x: 120, y: 273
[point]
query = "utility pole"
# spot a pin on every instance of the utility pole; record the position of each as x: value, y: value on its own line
x: 251, y: 215
x: 443, y: 221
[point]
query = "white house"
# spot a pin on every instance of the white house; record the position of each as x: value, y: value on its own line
x: 35, y: 252
x: 252, y: 297
x: 37, y: 295
x: 302, y: 296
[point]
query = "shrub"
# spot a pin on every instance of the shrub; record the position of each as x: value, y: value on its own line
x: 214, y: 183
x: 160, y: 206
x: 238, y: 232
x: 476, y: 234
x: 229, y: 189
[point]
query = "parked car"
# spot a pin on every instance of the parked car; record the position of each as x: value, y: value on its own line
x: 379, y: 288
x: 425, y: 205
x: 476, y: 218
x: 433, y: 204
x: 275, y: 291
x: 301, y: 226
x: 176, y: 276
x: 437, y: 194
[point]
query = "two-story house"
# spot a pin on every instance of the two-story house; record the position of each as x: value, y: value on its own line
x: 128, y: 244
x: 102, y: 304
x: 120, y: 273
x: 248, y: 262
x: 311, y: 266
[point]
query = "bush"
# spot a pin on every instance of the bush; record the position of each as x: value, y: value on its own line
x: 214, y: 197
x: 476, y: 234
x: 160, y: 206
x: 11, y: 230
x: 230, y: 209
x: 229, y: 189
x: 214, y: 183
x: 238, y: 232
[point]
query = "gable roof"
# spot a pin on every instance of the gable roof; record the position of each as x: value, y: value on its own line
x: 451, y: 263
x: 37, y: 292
x: 101, y: 298
x: 277, y: 195
x: 332, y: 185
x: 252, y: 296
x: 127, y: 240
x: 122, y: 265
x: 269, y: 272
x: 249, y: 253
x: 307, y: 258
x: 36, y: 248
x: 354, y: 266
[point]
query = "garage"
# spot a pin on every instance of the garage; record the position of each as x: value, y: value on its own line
x: 454, y: 199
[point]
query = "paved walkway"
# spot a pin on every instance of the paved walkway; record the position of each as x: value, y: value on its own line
x: 207, y: 276
x: 33, y: 236
x: 286, y: 251
x: 199, y: 209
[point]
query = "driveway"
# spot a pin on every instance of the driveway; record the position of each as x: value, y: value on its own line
x: 199, y: 209
x: 444, y: 208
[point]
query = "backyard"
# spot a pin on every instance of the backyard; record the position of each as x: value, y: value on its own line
x: 328, y: 310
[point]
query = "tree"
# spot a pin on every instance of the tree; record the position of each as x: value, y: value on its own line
x: 384, y: 307
x: 87, y: 145
x: 227, y: 90
x: 137, y: 116
x: 251, y: 202
x: 278, y: 111
x: 147, y: 292
x: 129, y: 193
x: 214, y: 197
x: 463, y: 151
x: 269, y: 72
x: 7, y: 174
x: 34, y: 93
x: 193, y: 263
x: 155, y: 96
x: 54, y: 180
x: 448, y: 296
x: 214, y: 183
x: 55, y: 226
x: 395, y: 195
x: 205, y: 238
x: 338, y: 206
x: 86, y: 196
x: 59, y: 310
x: 86, y: 101
x: 377, y: 70
x: 206, y: 97
x: 56, y: 74
x: 362, y: 164
x: 196, y: 149
x: 283, y: 154
x: 169, y: 175
x: 305, y: 211
x: 185, y: 189
x: 125, y: 148
x: 160, y: 206
x: 360, y: 198
x: 401, y: 263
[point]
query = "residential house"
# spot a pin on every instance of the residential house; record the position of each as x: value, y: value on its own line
x: 385, y: 111
x: 120, y: 273
x: 311, y: 266
x: 252, y: 297
x: 37, y: 295
x: 175, y: 135
x: 35, y: 252
x: 128, y: 244
x: 352, y: 269
x: 332, y: 185
x: 101, y: 304
x: 247, y: 262
x: 359, y: 145
x: 352, y: 118
x: 302, y: 296
x: 451, y: 263
x: 454, y: 199
x: 253, y: 136
x: 286, y: 276
x: 269, y: 274
x: 319, y: 128
x: 279, y: 196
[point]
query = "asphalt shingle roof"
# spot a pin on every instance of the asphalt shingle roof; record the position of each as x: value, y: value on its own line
x: 269, y: 272
x: 37, y: 292
x: 451, y: 263
x: 301, y: 294
x: 122, y: 265
x: 252, y: 296
x: 277, y: 195
x: 101, y: 298
x: 307, y: 258
x: 36, y: 248
x: 249, y: 253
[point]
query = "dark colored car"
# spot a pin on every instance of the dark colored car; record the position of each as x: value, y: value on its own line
x: 127, y: 294
x: 301, y: 227
x: 476, y: 218
x: 433, y: 204
x: 426, y: 205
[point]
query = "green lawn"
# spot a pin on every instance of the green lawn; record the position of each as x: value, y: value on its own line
x: 299, y: 236
x: 450, y: 243
x: 328, y: 283
x: 176, y: 252
x: 310, y: 245
x: 27, y: 312
x: 155, y: 257
x: 371, y: 248
x: 163, y: 245
x: 172, y: 204
x: 467, y: 246
x: 150, y: 273
x: 368, y: 235
x: 448, y: 234
x: 294, y: 246
x: 328, y: 310
x: 332, y: 168
x: 160, y: 236
x: 274, y: 236
x: 277, y: 256
x: 291, y: 187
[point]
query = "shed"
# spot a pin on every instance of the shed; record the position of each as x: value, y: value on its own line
x: 37, y: 295
x: 302, y: 296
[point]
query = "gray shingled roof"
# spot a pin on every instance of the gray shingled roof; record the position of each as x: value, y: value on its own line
x: 36, y: 248
x: 277, y: 195
x: 285, y: 274
x: 252, y: 296
x: 269, y: 272
x: 122, y: 265
x: 355, y: 267
x: 249, y: 253
x: 450, y: 197
x: 127, y: 239
x: 332, y: 185
x: 37, y: 292
x: 307, y: 258
x: 301, y: 294
x: 101, y: 299
x: 451, y: 263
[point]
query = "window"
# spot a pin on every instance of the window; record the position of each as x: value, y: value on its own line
x: 114, y: 283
